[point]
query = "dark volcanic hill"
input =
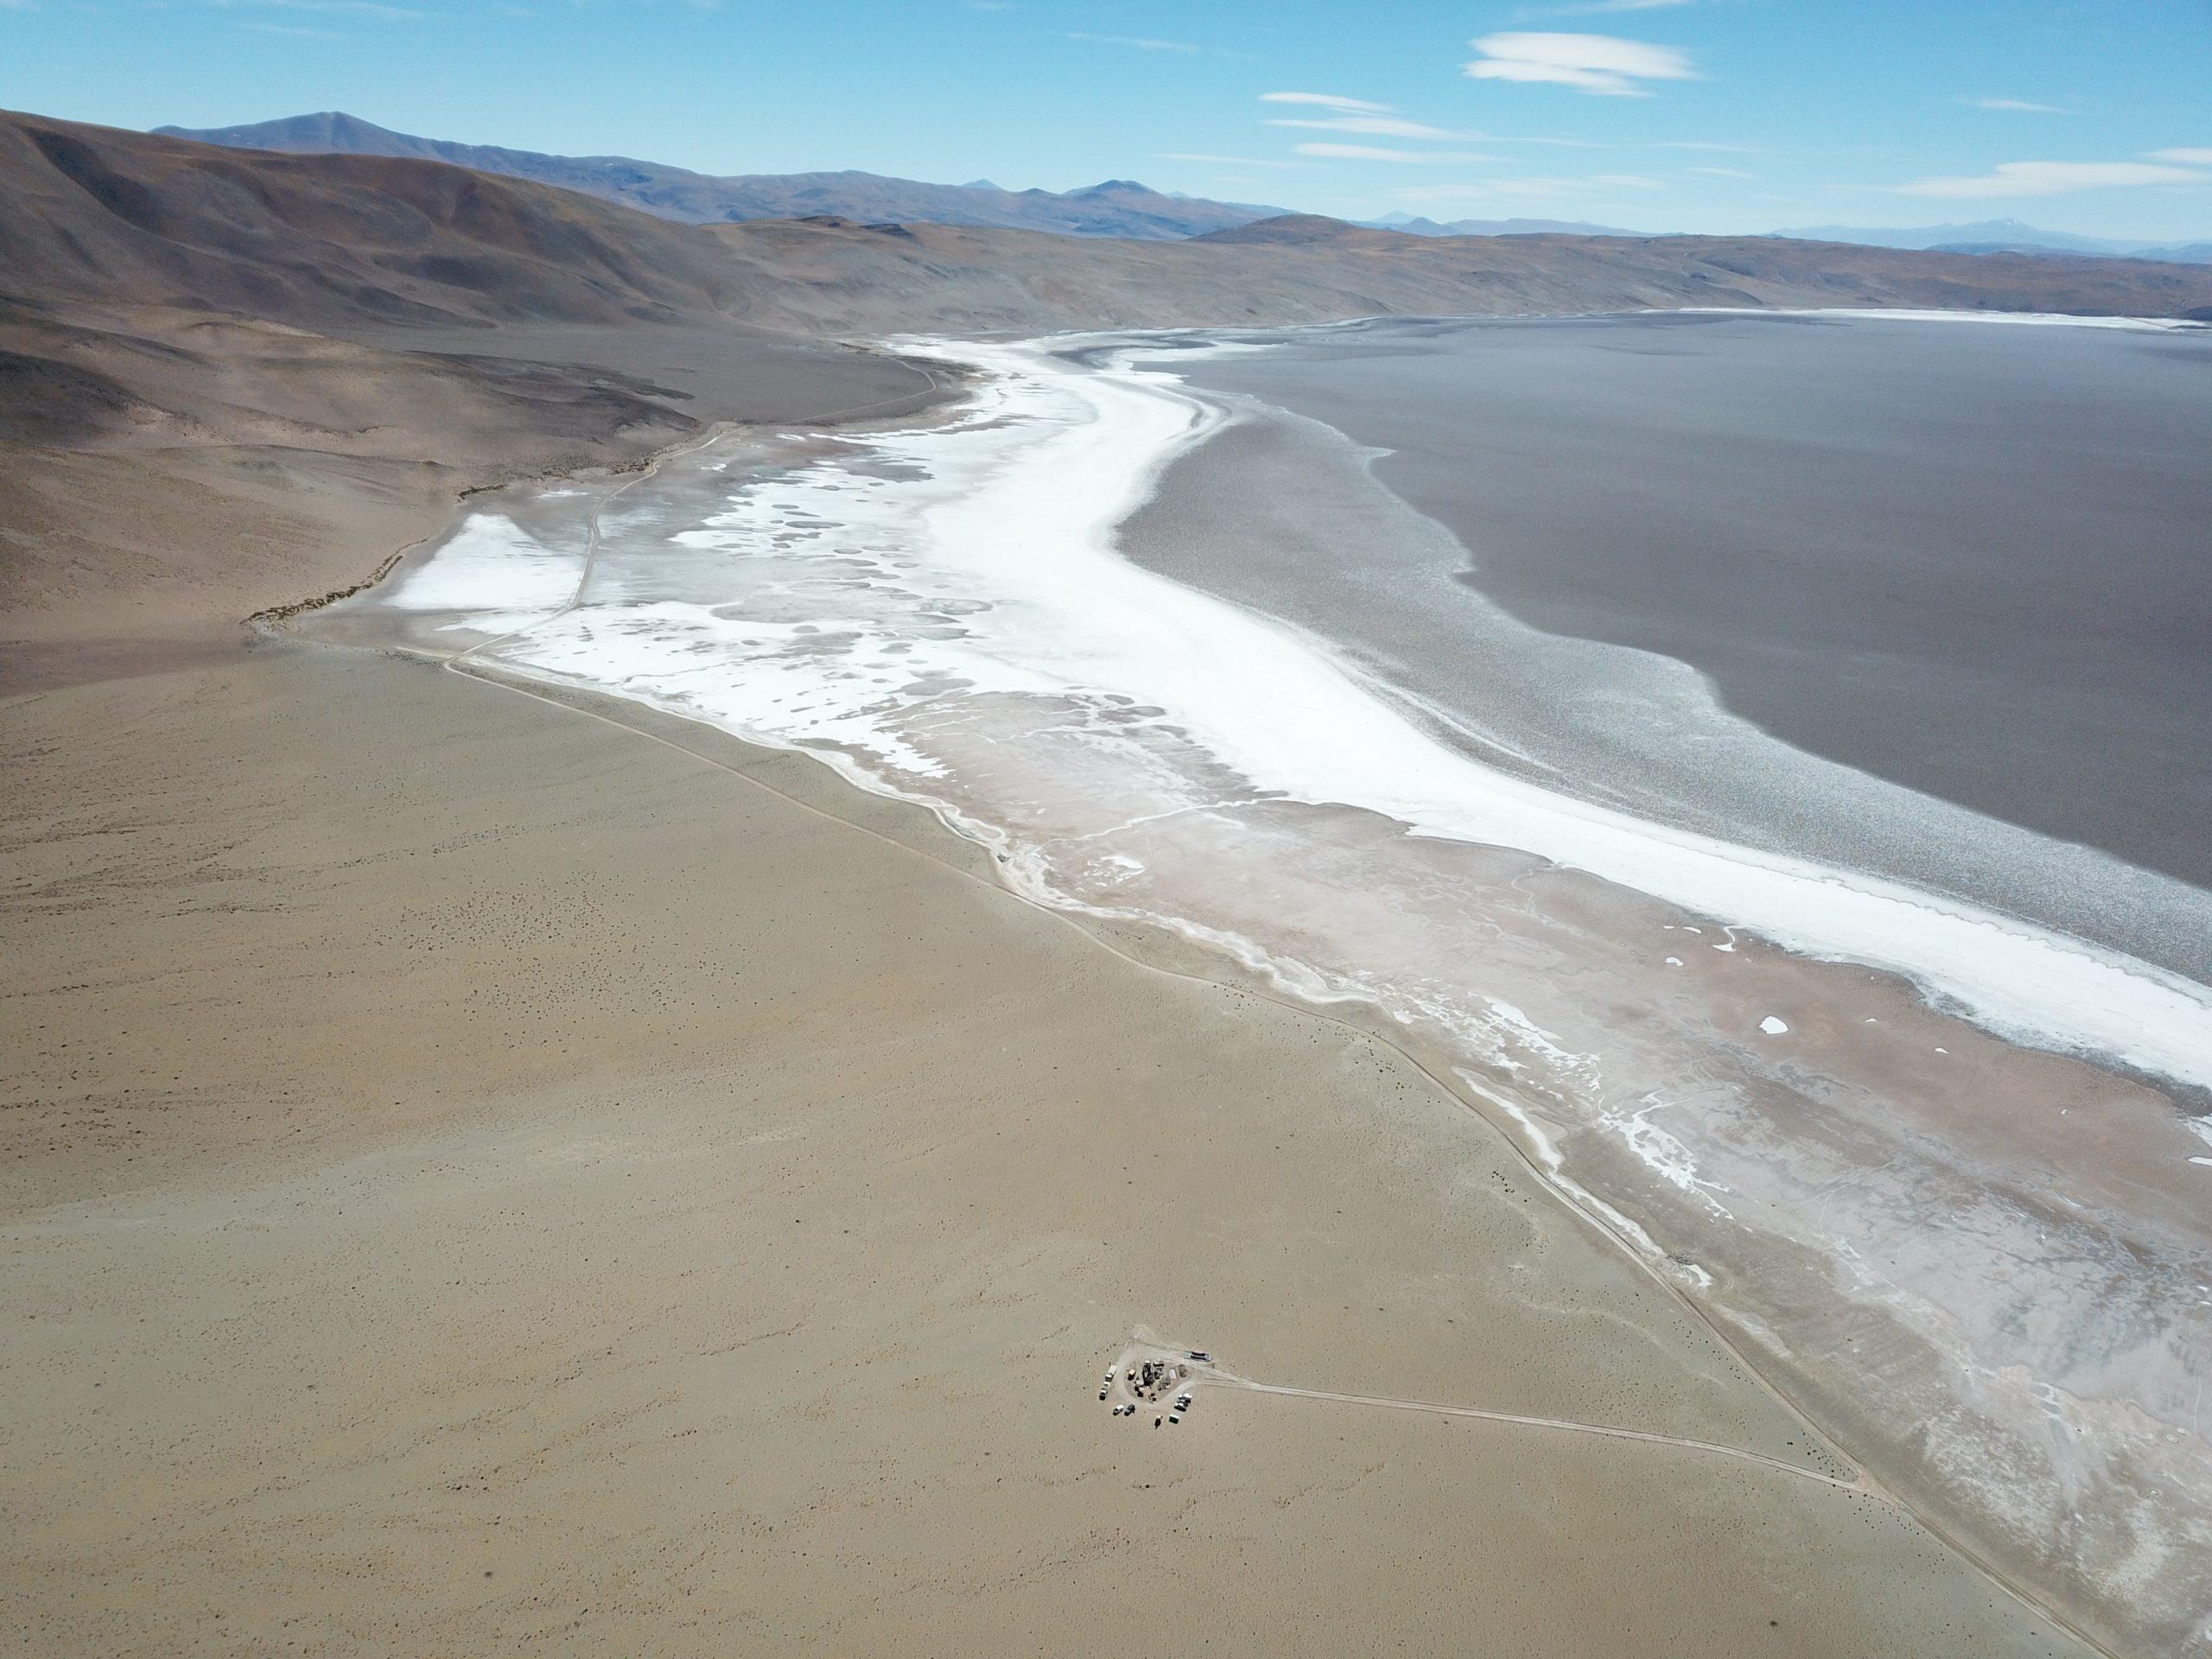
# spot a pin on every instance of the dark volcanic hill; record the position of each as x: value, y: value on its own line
x: 1117, y: 207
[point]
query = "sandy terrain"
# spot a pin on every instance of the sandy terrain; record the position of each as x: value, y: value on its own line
x: 478, y: 1177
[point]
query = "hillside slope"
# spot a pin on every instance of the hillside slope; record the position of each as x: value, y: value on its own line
x: 853, y: 279
x: 231, y: 381
x: 93, y: 213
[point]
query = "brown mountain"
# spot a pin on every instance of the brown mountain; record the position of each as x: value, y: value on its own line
x: 1118, y: 208
x: 229, y: 381
x: 93, y: 213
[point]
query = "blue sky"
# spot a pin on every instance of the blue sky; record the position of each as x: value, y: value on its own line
x: 1703, y: 115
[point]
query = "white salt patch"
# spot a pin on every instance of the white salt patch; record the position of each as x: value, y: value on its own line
x: 1014, y: 511
x: 1661, y: 1153
x: 1546, y: 1154
x: 1772, y: 1026
x: 490, y: 567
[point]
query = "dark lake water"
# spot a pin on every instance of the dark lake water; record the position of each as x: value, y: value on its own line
x: 1971, y: 559
x: 1974, y: 558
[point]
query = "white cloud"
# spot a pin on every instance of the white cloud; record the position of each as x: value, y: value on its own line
x: 1722, y: 172
x: 1140, y: 43
x: 2186, y: 157
x: 1600, y: 64
x: 1373, y: 153
x: 1228, y: 161
x: 2052, y: 179
x: 1327, y: 101
x: 1375, y: 126
x: 2018, y: 106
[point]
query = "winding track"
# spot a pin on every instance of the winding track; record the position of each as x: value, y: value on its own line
x: 1211, y: 1374
x: 1858, y: 1489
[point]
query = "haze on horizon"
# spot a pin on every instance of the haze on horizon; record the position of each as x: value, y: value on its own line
x: 1712, y: 115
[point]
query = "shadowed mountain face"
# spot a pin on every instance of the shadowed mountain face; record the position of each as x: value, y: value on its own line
x: 1119, y: 207
x: 96, y: 213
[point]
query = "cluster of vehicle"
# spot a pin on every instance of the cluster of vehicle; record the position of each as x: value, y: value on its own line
x: 1144, y: 1382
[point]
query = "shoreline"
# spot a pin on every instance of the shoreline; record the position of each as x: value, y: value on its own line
x: 1590, y: 1213
x: 2062, y: 993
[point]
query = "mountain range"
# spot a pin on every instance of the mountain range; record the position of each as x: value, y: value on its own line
x: 1118, y: 208
x: 292, y: 361
x: 1115, y: 207
x: 2001, y: 236
x: 1413, y: 225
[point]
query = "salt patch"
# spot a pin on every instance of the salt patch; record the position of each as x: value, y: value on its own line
x: 1015, y: 511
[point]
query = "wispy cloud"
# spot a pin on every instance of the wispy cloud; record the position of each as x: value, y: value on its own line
x: 2186, y: 157
x: 296, y: 31
x: 2018, y: 106
x: 2053, y: 179
x: 1139, y: 42
x: 1723, y: 172
x: 1603, y: 65
x: 1225, y: 161
x: 1327, y: 101
x: 1375, y: 153
x: 1375, y: 126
